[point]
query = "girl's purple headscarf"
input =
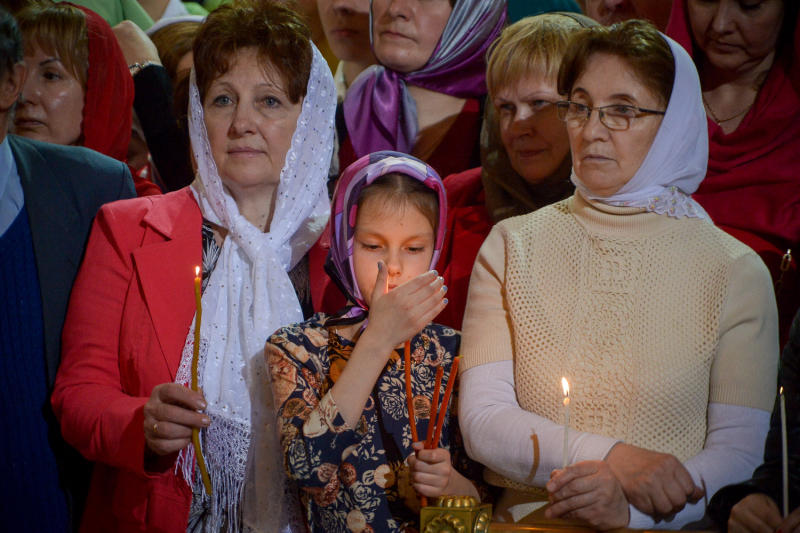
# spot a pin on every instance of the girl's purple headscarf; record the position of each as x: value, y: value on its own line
x: 378, y: 110
x: 358, y: 175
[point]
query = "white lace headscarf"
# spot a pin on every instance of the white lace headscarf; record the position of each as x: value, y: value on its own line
x: 678, y: 157
x: 249, y: 296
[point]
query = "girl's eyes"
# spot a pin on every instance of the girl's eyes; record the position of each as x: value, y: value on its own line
x: 375, y: 247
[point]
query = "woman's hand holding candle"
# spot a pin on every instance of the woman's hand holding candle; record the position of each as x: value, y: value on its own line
x: 588, y: 491
x: 170, y: 415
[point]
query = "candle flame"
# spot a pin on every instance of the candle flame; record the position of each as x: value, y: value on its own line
x: 565, y: 387
x: 197, y: 271
x: 781, y: 391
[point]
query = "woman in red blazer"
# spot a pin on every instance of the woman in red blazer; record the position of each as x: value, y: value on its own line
x: 261, y: 123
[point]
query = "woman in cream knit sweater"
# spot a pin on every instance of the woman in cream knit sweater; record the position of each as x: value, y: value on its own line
x: 664, y: 326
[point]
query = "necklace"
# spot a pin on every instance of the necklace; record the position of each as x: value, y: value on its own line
x: 721, y: 120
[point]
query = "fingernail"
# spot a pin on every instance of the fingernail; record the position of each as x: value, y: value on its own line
x: 446, y: 301
x: 435, y: 272
x: 206, y: 421
x: 380, y: 266
x: 444, y: 288
x: 201, y: 404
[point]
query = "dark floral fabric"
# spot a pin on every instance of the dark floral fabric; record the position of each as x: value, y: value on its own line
x: 357, y: 479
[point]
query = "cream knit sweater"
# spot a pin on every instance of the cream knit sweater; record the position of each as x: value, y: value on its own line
x: 650, y: 318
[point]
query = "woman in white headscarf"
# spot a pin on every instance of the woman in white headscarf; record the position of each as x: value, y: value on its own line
x: 664, y: 326
x: 262, y: 104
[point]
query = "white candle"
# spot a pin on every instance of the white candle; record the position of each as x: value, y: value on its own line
x: 784, y: 456
x: 565, y: 456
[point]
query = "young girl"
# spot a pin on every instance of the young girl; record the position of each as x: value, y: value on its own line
x: 340, y: 380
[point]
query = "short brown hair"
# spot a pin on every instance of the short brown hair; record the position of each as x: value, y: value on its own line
x: 398, y: 190
x: 59, y: 30
x: 636, y: 42
x: 279, y: 34
x: 173, y: 42
x: 532, y: 45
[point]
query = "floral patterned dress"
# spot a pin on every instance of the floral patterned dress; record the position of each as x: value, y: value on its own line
x: 357, y: 479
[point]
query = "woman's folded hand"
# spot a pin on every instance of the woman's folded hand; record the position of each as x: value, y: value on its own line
x: 655, y: 483
x: 170, y: 415
x: 588, y: 491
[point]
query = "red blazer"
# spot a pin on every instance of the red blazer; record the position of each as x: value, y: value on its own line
x: 129, y: 313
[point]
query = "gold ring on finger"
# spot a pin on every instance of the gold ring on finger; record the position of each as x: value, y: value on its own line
x: 155, y: 428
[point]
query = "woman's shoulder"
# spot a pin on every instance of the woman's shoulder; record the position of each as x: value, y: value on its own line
x: 165, y: 207
x: 705, y: 237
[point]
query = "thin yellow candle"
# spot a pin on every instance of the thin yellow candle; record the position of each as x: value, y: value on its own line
x: 784, y: 455
x: 565, y: 456
x: 198, y: 452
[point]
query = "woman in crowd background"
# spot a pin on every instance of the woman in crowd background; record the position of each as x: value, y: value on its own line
x: 261, y: 124
x: 756, y: 505
x: 748, y: 57
x: 423, y: 98
x: 339, y: 379
x: 663, y: 325
x: 346, y: 26
x: 79, y: 90
x: 524, y: 147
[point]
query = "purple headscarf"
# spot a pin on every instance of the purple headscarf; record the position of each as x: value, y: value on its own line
x: 378, y: 110
x: 355, y: 177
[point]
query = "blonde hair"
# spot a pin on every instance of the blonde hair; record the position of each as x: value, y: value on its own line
x: 59, y: 30
x: 532, y: 45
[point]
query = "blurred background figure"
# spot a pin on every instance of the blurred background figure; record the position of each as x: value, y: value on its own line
x: 757, y: 504
x: 79, y: 89
x: 161, y: 78
x: 49, y: 195
x: 346, y: 26
x: 425, y: 98
x: 748, y: 58
x: 173, y: 38
x: 525, y: 159
x: 610, y: 11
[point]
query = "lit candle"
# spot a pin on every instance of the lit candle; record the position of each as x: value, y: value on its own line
x: 197, y: 319
x: 565, y: 456
x: 785, y: 456
x: 198, y: 451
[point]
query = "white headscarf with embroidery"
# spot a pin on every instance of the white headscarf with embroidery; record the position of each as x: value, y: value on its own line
x: 249, y: 296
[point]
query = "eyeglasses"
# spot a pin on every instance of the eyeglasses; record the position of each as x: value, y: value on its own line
x: 614, y: 117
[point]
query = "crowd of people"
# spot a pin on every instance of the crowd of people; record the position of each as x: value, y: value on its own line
x: 274, y: 266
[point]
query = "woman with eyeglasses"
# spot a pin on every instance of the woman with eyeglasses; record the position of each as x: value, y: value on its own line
x: 663, y: 325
